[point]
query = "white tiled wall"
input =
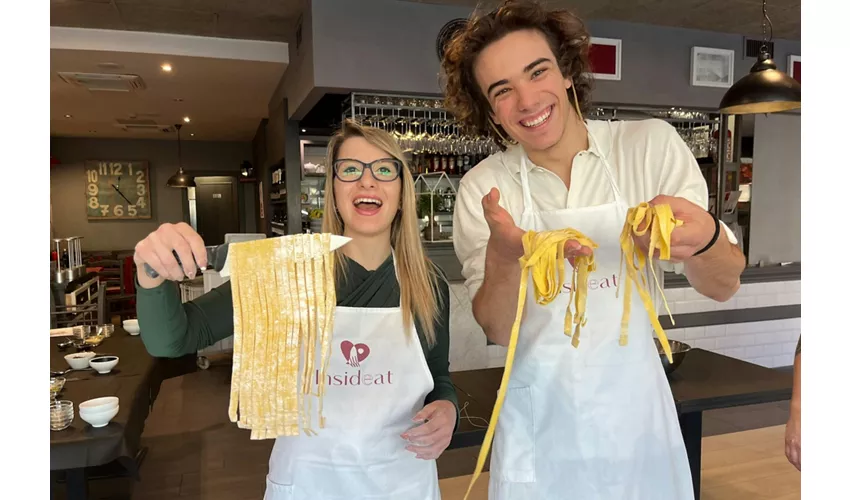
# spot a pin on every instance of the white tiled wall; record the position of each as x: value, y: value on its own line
x: 768, y: 343
x: 688, y: 300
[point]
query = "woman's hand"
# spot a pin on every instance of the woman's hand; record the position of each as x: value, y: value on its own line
x: 430, y: 439
x: 792, y: 439
x: 156, y: 251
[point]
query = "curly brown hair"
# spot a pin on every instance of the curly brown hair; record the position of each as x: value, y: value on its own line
x: 567, y: 37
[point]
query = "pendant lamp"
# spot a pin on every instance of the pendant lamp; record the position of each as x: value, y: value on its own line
x: 181, y: 179
x: 764, y: 89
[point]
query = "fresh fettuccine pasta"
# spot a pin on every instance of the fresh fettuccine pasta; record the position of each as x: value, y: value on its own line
x: 659, y: 221
x: 283, y: 307
x: 544, y: 259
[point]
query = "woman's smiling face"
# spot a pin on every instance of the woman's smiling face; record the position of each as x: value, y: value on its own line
x: 368, y: 205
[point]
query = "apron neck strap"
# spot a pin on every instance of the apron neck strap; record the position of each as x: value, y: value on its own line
x: 609, y: 172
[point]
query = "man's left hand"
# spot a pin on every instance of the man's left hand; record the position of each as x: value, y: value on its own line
x: 693, y: 235
x: 431, y: 438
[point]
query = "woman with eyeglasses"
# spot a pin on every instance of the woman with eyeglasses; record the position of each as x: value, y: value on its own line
x: 391, y: 413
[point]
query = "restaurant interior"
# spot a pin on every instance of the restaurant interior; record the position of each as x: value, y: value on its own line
x: 218, y: 114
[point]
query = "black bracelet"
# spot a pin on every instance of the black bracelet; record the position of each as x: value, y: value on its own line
x: 713, y: 238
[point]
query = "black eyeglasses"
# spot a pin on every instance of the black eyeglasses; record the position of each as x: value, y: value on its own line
x: 384, y: 169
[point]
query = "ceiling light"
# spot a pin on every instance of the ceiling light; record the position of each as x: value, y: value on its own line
x: 166, y: 67
x: 193, y: 135
x: 764, y: 89
x: 186, y: 119
x: 68, y: 116
x: 178, y: 99
x: 181, y: 179
x: 303, y: 131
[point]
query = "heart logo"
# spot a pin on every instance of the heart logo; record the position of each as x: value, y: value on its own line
x: 354, y: 353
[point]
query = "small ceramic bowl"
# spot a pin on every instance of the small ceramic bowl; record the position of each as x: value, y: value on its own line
x: 79, y: 360
x: 132, y: 326
x: 99, y: 419
x: 103, y: 364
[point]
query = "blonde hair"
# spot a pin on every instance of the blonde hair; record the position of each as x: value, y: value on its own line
x: 417, y: 276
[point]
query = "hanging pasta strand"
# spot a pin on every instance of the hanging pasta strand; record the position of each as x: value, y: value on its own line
x: 660, y: 222
x: 284, y: 298
x: 543, y: 258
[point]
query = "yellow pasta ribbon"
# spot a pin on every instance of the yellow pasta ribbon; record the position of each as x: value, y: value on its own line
x: 284, y: 297
x: 660, y: 222
x: 544, y: 259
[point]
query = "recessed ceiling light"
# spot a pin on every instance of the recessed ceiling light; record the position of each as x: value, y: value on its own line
x: 186, y: 119
x: 166, y: 67
x: 178, y: 99
x: 193, y: 135
x: 304, y: 130
x: 92, y: 131
x: 68, y: 116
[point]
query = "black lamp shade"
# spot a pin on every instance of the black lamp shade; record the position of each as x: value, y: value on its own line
x: 763, y: 90
x: 181, y: 180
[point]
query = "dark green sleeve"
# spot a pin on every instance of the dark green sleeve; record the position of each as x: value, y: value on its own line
x: 170, y: 329
x: 438, y: 355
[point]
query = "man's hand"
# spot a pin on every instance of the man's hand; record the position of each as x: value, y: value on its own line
x: 506, y: 237
x: 693, y: 235
x: 430, y: 439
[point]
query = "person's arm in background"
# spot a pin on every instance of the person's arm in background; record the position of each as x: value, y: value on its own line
x: 793, y: 427
x: 716, y: 272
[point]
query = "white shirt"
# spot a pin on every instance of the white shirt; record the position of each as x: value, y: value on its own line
x: 648, y: 158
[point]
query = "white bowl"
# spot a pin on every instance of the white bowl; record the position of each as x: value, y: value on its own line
x: 132, y: 326
x: 99, y: 419
x: 103, y: 364
x: 99, y: 404
x: 100, y: 410
x: 79, y: 360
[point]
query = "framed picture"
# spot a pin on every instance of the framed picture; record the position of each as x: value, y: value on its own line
x: 606, y: 56
x: 794, y: 67
x: 712, y: 67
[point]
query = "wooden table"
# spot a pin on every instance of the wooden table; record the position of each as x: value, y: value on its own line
x: 80, y: 448
x: 704, y: 381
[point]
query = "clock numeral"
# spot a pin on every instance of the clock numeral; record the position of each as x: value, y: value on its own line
x: 93, y: 203
x: 130, y: 169
x: 92, y: 174
x: 141, y: 202
x: 131, y: 210
x: 104, y: 210
x: 103, y: 168
x: 118, y: 210
x: 91, y: 189
x: 140, y: 176
x: 140, y: 189
x: 116, y: 168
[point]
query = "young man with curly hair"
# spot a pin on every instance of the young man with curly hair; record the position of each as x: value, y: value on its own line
x: 596, y: 422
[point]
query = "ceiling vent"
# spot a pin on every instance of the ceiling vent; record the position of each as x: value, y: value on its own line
x: 149, y: 126
x: 104, y: 82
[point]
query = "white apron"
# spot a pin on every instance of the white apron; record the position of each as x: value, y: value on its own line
x: 377, y: 380
x: 597, y: 422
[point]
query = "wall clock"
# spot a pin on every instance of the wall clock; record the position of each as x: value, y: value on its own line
x: 117, y: 190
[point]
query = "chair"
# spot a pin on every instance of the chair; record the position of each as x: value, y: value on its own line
x: 91, y: 314
x: 120, y: 300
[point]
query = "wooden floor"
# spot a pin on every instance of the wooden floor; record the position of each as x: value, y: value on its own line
x: 748, y: 465
x: 195, y: 453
